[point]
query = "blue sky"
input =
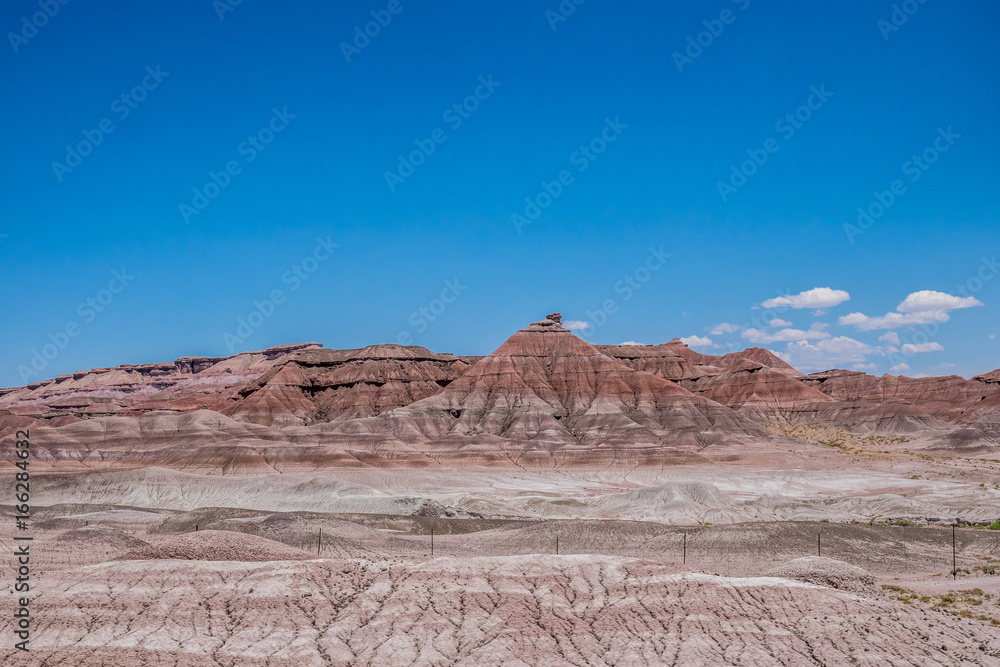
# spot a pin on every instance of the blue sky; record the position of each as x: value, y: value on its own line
x: 601, y: 165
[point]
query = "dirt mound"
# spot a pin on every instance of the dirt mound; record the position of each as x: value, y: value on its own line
x: 829, y: 572
x: 216, y: 545
x: 105, y: 537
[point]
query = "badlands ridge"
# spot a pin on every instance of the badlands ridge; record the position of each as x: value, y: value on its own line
x: 544, y: 397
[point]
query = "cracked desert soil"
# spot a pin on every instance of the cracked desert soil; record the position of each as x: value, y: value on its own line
x: 515, y: 610
x: 158, y: 567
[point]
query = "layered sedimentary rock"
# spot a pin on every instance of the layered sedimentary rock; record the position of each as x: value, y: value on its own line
x: 754, y: 381
x: 324, y: 385
x: 545, y: 391
x: 189, y: 383
x: 759, y: 384
x: 757, y: 389
x: 675, y: 361
x: 544, y: 394
x: 905, y: 404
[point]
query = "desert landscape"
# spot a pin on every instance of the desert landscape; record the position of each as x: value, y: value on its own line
x: 553, y: 502
x: 387, y: 333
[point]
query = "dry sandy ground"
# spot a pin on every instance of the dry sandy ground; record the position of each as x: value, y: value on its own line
x: 519, y: 610
x: 152, y: 566
x: 688, y: 494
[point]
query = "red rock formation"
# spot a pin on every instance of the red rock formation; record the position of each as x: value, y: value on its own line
x: 546, y: 390
x: 949, y: 398
x: 189, y: 383
x: 675, y: 361
x: 664, y: 361
x: 757, y: 389
x: 323, y: 385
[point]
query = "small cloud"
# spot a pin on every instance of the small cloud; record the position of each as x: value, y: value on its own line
x: 946, y: 365
x: 778, y: 322
x: 818, y: 297
x: 899, y: 367
x: 819, y: 313
x: 910, y: 348
x: 924, y: 300
x: 576, y: 324
x: 759, y: 336
x: 724, y: 328
x: 920, y: 307
x: 696, y: 341
x: 631, y: 342
x: 863, y: 367
x: 891, y: 337
x: 993, y: 336
x: 891, y: 320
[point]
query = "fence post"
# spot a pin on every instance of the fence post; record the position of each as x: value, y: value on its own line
x: 685, y: 557
x: 557, y: 545
x: 432, y: 542
x: 819, y: 544
x: 319, y: 544
x: 954, y: 563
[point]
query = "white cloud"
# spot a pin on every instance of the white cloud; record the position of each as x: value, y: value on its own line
x: 930, y: 300
x: 917, y: 308
x: 890, y: 337
x: 899, y: 367
x: 863, y: 367
x: 993, y: 336
x: 696, y: 341
x: 759, y: 336
x: 631, y: 342
x: 824, y: 354
x: 818, y: 297
x: 891, y: 320
x: 910, y: 348
x: 725, y: 327
x: 576, y: 324
x: 778, y: 322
